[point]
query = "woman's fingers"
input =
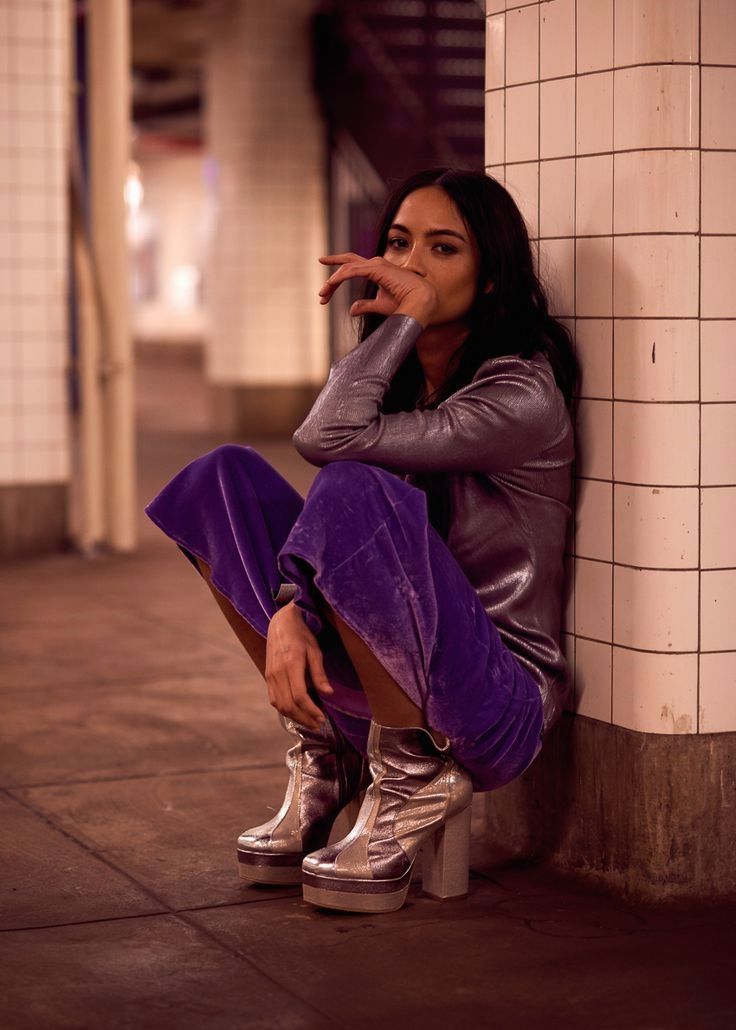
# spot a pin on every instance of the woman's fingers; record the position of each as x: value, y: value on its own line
x: 290, y: 692
x: 349, y: 270
x: 340, y: 259
x: 391, y: 280
x: 379, y: 306
x: 293, y: 701
x: 317, y: 670
x: 292, y: 653
x: 394, y: 282
x: 328, y: 287
x: 307, y: 711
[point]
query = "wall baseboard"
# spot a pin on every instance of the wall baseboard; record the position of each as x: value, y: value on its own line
x: 649, y: 816
x: 33, y: 519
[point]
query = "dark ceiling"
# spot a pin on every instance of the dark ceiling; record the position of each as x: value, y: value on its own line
x: 413, y: 67
x: 168, y: 40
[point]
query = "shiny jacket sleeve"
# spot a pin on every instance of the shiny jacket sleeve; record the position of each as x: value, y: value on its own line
x: 509, y: 414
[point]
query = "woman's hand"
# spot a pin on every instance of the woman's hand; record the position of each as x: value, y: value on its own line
x: 292, y: 652
x: 400, y: 291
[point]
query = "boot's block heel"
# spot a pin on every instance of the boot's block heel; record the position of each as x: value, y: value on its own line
x: 445, y: 858
x: 417, y: 792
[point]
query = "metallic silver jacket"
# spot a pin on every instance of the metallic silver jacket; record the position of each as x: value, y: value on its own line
x: 506, y: 443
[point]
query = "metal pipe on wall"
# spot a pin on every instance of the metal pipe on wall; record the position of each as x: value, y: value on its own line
x: 108, y: 76
x: 88, y: 473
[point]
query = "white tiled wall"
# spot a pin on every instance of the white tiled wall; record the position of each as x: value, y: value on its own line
x: 611, y: 122
x: 265, y: 132
x: 34, y: 90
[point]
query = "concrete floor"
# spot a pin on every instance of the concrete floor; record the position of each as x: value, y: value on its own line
x: 136, y: 745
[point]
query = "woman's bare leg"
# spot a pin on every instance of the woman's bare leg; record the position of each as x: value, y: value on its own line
x: 251, y: 640
x: 388, y: 703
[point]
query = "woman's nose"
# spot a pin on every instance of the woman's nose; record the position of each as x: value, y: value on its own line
x: 414, y: 262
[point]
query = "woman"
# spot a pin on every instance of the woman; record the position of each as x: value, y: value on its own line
x: 408, y: 611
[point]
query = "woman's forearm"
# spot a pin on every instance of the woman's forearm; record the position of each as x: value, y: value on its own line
x: 350, y: 400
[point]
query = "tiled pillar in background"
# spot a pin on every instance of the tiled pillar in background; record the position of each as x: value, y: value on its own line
x: 34, y: 431
x: 267, y: 353
x: 611, y: 121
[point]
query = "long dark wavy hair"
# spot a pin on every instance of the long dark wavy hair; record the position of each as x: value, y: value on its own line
x: 513, y: 318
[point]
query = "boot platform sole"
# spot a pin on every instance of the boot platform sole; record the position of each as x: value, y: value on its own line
x: 352, y: 901
x: 356, y: 895
x: 256, y: 868
x: 274, y: 877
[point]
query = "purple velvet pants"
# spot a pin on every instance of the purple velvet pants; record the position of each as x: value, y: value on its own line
x: 362, y: 541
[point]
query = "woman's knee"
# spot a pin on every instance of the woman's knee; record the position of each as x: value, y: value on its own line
x: 228, y: 455
x: 345, y: 472
x: 358, y: 496
x: 349, y: 480
x: 235, y: 459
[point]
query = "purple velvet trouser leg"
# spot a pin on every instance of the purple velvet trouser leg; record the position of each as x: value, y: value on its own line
x: 362, y: 542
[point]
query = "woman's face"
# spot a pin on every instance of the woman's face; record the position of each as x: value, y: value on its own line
x: 428, y: 236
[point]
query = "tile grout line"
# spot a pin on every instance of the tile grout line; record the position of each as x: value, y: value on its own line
x: 698, y: 728
x: 179, y: 916
x: 157, y: 620
x: 612, y: 677
x: 123, y: 681
x: 45, y: 818
x: 576, y: 693
x: 242, y: 957
x: 84, y: 922
x: 148, y: 915
x: 142, y: 776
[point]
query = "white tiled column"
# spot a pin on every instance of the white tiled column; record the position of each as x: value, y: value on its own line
x: 34, y: 89
x: 611, y: 122
x: 718, y: 367
x: 266, y: 134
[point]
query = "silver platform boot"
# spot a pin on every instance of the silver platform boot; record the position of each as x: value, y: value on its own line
x: 326, y: 774
x: 420, y: 799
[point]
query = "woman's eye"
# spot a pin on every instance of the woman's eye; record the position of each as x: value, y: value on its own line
x: 397, y: 243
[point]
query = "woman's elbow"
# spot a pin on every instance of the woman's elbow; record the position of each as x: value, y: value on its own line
x: 307, y: 444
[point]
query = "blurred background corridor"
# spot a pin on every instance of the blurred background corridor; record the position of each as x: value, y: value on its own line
x: 170, y: 171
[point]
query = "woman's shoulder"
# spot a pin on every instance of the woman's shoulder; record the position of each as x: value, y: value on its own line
x: 505, y: 367
x: 526, y: 383
x: 515, y: 361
